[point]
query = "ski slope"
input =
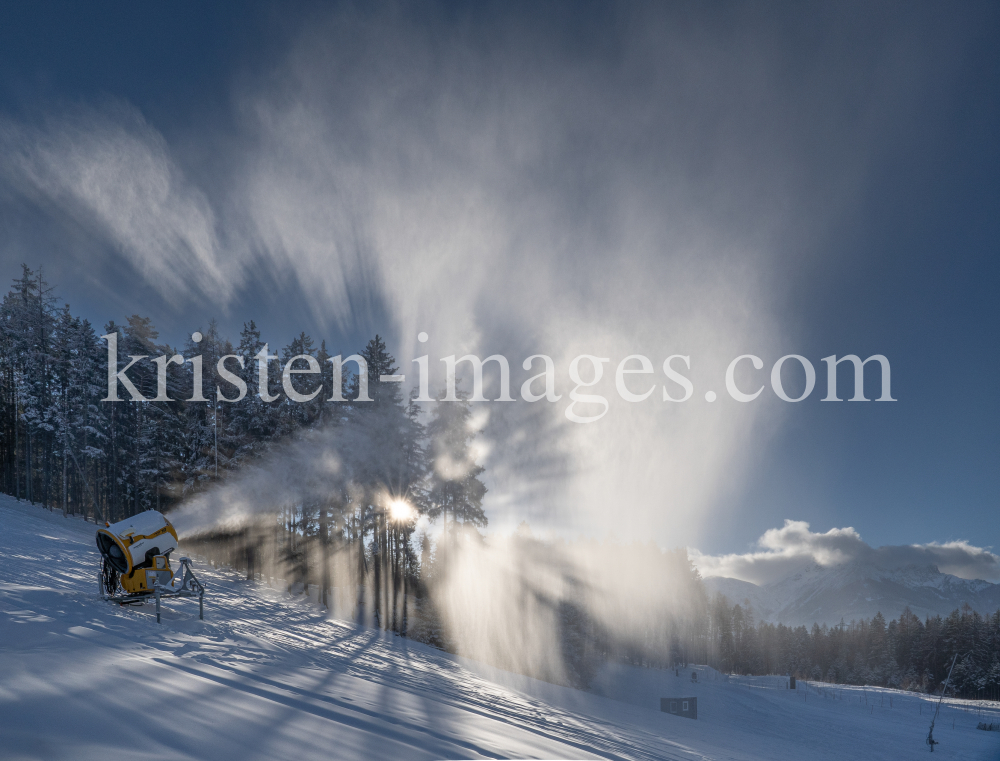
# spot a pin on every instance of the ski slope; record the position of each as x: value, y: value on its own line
x: 266, y: 676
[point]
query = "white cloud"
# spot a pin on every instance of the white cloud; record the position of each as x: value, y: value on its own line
x: 785, y: 550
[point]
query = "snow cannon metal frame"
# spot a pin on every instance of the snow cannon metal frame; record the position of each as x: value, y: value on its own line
x: 135, y: 563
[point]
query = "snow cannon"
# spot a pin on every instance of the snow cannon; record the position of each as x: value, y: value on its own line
x: 135, y: 563
x: 138, y: 550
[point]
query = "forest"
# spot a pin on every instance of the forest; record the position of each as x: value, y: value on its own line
x: 326, y: 498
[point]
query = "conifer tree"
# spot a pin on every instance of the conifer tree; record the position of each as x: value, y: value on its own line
x: 453, y: 488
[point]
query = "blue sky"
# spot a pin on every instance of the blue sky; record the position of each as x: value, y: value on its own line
x: 712, y: 180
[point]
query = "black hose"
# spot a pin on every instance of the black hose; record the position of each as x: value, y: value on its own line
x: 110, y: 578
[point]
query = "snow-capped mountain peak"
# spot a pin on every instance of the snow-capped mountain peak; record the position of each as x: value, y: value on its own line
x: 858, y: 589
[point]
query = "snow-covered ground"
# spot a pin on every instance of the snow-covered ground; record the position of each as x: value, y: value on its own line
x: 269, y: 677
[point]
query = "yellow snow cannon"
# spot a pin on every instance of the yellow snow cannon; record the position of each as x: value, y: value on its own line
x: 135, y: 562
x: 138, y: 550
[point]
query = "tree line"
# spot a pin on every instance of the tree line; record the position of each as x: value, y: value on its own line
x: 905, y: 653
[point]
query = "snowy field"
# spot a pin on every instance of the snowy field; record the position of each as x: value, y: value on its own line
x: 269, y: 677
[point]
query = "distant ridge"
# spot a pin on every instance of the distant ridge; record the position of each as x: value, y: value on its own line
x: 857, y: 590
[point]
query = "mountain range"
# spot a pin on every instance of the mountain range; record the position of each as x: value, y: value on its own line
x: 856, y: 590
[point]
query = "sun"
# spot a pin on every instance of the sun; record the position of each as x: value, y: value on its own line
x: 400, y: 510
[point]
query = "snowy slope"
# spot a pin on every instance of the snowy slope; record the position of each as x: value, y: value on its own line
x: 265, y: 676
x: 858, y: 590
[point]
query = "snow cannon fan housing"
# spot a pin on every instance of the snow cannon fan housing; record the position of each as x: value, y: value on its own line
x: 138, y: 549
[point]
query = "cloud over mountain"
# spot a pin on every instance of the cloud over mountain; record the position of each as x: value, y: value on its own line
x: 793, y: 547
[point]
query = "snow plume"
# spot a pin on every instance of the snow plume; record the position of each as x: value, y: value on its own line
x: 386, y: 169
x: 556, y: 610
x: 317, y: 466
x: 784, y: 551
x: 112, y: 173
x: 551, y: 610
